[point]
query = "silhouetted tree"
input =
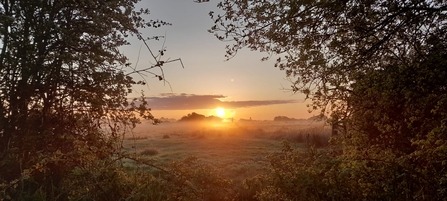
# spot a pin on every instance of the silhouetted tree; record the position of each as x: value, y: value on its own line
x: 63, y: 89
x: 379, y: 69
x: 192, y: 117
x: 324, y: 46
x: 283, y: 118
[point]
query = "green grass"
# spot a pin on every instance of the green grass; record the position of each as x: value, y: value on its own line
x: 241, y: 150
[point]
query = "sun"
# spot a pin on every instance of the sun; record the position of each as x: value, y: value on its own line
x: 220, y: 112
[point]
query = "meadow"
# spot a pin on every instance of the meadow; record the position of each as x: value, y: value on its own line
x: 238, y: 149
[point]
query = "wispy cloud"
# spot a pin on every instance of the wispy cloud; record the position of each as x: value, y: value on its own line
x: 193, y: 101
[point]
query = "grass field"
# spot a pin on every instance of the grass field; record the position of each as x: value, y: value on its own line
x: 239, y: 149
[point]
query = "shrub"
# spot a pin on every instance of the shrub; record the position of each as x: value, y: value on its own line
x: 150, y: 151
x: 166, y: 136
x: 192, y: 180
x: 299, y: 175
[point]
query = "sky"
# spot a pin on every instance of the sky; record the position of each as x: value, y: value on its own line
x: 244, y: 86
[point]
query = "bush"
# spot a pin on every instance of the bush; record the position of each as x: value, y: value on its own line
x: 192, y: 180
x: 150, y: 151
x: 166, y: 136
x: 293, y: 175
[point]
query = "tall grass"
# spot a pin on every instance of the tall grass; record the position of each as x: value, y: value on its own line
x: 315, y: 136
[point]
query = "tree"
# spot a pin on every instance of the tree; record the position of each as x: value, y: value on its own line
x: 326, y: 45
x: 379, y: 68
x: 283, y: 118
x: 334, y: 48
x: 195, y: 117
x: 400, y: 104
x: 63, y: 89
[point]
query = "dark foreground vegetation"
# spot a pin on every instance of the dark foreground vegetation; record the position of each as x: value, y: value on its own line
x: 377, y: 68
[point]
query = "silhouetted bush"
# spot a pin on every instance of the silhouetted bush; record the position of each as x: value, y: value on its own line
x: 150, y: 151
x: 166, y: 136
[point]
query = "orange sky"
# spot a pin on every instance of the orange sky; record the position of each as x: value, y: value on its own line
x: 266, y: 112
x: 244, y: 84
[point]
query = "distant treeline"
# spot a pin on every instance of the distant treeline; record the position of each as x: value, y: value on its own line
x: 285, y: 118
x: 199, y: 117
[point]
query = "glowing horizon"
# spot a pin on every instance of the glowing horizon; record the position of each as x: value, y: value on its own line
x: 220, y: 112
x: 253, y: 88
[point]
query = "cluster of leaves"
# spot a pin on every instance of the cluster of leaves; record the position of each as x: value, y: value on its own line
x: 292, y: 175
x: 354, y: 174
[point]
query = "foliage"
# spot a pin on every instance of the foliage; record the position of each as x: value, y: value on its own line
x: 378, y: 68
x: 325, y: 45
x: 398, y: 105
x: 293, y: 175
x: 63, y: 91
x: 395, y: 147
x: 64, y: 108
x: 356, y: 175
x: 191, y: 180
x: 187, y: 179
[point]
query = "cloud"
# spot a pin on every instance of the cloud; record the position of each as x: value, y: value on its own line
x: 169, y: 101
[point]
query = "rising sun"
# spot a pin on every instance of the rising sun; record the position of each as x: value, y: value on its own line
x: 220, y: 112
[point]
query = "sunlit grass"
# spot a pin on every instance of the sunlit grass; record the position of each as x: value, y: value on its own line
x: 241, y: 149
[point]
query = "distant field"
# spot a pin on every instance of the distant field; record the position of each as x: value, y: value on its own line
x: 238, y: 148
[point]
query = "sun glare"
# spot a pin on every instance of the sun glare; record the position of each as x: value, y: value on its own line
x: 220, y: 112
